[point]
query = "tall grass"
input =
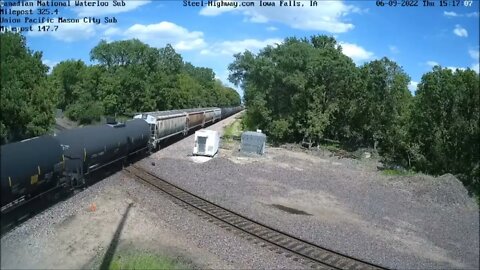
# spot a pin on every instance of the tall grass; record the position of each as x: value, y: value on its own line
x: 233, y: 130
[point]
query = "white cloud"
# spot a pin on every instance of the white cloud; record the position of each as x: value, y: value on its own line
x: 111, y: 31
x: 327, y: 16
x: 160, y: 34
x: 357, y: 53
x: 393, y: 49
x: 472, y: 14
x: 474, y: 66
x: 460, y: 31
x: 455, y: 68
x: 454, y: 14
x: 272, y: 28
x: 68, y: 32
x: 412, y: 86
x: 474, y: 54
x: 450, y: 14
x: 110, y: 9
x: 237, y: 46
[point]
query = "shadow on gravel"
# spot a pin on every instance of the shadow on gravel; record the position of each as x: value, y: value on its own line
x: 291, y: 210
x: 107, y: 259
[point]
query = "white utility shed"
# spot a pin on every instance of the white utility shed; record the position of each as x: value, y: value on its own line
x: 206, y: 143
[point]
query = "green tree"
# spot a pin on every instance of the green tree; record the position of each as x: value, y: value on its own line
x: 27, y: 98
x: 444, y: 124
x: 169, y: 60
x: 129, y: 66
x: 65, y: 75
x: 299, y: 90
x: 124, y: 53
x: 204, y: 76
x: 383, y: 108
x: 87, y: 106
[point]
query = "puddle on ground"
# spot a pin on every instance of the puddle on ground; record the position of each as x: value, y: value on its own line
x: 291, y: 210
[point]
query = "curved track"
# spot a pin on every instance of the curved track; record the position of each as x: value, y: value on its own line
x: 299, y: 250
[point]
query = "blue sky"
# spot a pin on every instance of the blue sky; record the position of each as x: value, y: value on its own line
x: 417, y: 38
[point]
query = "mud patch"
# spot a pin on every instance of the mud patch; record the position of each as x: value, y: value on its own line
x: 290, y: 210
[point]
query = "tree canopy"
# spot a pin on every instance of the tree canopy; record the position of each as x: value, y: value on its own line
x: 302, y: 90
x: 132, y: 77
x: 128, y: 76
x: 307, y: 90
x: 28, y: 100
x: 444, y: 124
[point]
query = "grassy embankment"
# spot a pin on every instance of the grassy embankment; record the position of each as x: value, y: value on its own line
x: 231, y: 133
x: 234, y: 130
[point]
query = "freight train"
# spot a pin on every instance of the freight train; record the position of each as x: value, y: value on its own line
x: 38, y: 166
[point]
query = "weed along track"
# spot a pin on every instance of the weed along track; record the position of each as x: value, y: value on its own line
x: 298, y: 250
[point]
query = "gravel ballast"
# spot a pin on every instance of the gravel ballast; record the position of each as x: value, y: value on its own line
x: 408, y: 222
x: 76, y: 233
x: 70, y: 236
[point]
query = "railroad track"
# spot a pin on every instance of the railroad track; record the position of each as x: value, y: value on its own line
x: 314, y: 256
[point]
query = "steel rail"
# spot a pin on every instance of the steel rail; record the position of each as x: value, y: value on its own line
x: 315, y: 256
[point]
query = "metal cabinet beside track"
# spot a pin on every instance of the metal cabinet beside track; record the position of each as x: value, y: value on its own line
x: 29, y: 167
